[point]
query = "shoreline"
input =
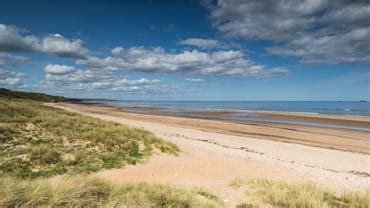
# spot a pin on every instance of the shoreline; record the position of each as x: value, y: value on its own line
x: 323, y: 137
x: 347, y: 122
x: 81, y: 101
x: 137, y: 104
x: 213, y: 153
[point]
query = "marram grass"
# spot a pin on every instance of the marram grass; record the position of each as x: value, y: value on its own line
x: 78, y: 191
x: 278, y: 193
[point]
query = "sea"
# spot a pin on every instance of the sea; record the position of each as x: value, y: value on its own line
x: 311, y: 107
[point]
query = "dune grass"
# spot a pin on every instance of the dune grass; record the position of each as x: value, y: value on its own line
x: 12, y: 94
x: 306, y: 195
x: 41, y: 141
x: 78, y: 191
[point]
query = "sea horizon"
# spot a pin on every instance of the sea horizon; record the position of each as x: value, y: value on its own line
x: 359, y: 108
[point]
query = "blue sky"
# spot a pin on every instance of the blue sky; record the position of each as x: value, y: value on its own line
x: 223, y: 50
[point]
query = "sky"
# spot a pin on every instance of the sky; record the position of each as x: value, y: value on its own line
x: 188, y: 50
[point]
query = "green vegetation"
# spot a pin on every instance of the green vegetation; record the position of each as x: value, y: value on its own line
x: 10, y: 94
x: 37, y: 140
x: 307, y: 195
x: 94, y: 192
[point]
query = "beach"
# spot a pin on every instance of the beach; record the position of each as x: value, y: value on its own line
x: 214, y: 152
x: 186, y: 103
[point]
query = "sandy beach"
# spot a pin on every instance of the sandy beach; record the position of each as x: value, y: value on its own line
x: 214, y: 152
x: 185, y: 103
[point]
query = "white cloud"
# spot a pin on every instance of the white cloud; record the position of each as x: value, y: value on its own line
x: 201, y: 43
x: 7, y: 60
x: 225, y: 62
x: 353, y: 46
x: 60, y: 46
x: 12, y: 39
x: 116, y: 51
x: 59, y: 69
x: 222, y: 62
x: 77, y: 77
x: 194, y: 80
x: 319, y: 31
x: 10, y: 78
x: 70, y: 78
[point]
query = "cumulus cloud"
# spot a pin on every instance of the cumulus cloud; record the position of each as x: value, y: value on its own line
x: 74, y: 77
x: 59, y: 69
x: 194, y: 80
x: 13, y: 39
x: 91, y: 80
x: 201, y: 43
x: 227, y: 62
x: 10, y: 79
x: 319, y: 31
x: 353, y: 46
x: 222, y: 62
x: 7, y: 60
x: 60, y: 46
x: 116, y: 51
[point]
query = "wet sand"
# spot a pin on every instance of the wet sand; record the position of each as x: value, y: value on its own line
x: 344, y: 121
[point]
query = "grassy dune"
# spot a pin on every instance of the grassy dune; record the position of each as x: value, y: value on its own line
x: 305, y: 195
x: 95, y: 192
x: 11, y: 94
x: 37, y: 140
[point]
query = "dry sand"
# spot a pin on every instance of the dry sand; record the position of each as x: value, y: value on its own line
x: 213, y: 153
